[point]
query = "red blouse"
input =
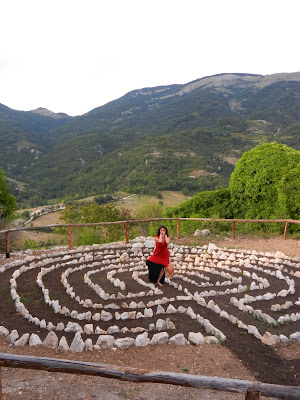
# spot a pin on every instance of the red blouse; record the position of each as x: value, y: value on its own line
x: 160, y: 254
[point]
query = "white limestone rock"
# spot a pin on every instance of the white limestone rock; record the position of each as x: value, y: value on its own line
x: 159, y: 338
x: 182, y: 309
x: 149, y: 243
x: 77, y: 344
x: 51, y: 340
x: 269, y: 339
x: 12, y: 337
x: 211, y: 304
x: 88, y: 329
x: 142, y: 340
x: 4, y: 331
x: 212, y: 247
x: 124, y: 343
x: 43, y: 323
x: 34, y: 340
x: 50, y: 326
x: 88, y: 345
x: 22, y: 341
x: 60, y: 326
x: 171, y: 309
x: 178, y: 340
x: 100, y: 331
x: 148, y: 313
x: 73, y: 327
x: 124, y: 316
x: 160, y: 310
x: 63, y: 344
x: 295, y: 337
x: 170, y: 324
x: 113, y: 329
x: 87, y: 303
x: 96, y: 317
x: 283, y: 338
x: 254, y: 331
x: 196, y: 338
x: 211, y: 340
x: 191, y: 313
x: 131, y: 314
x: 161, y: 325
x: 105, y: 341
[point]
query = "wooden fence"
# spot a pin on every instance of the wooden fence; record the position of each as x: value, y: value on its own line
x: 252, y: 390
x: 127, y: 222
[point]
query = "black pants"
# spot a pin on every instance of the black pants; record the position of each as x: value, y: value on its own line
x: 154, y: 270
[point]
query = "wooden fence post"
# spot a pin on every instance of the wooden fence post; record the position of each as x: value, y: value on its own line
x: 7, y: 244
x: 233, y: 230
x: 70, y: 237
x: 285, y: 230
x: 178, y: 228
x: 126, y: 232
x: 0, y: 385
x: 253, y: 395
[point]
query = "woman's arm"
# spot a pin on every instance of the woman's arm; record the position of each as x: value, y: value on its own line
x: 162, y: 238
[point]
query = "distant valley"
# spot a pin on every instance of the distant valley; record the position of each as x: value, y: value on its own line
x: 178, y: 137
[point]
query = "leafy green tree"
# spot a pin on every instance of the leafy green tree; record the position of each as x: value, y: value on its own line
x: 93, y: 213
x: 7, y: 201
x: 266, y: 183
x: 213, y: 204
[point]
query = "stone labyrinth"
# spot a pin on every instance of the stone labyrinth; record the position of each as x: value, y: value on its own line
x: 99, y: 296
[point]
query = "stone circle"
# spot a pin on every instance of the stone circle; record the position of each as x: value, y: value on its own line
x: 124, y: 309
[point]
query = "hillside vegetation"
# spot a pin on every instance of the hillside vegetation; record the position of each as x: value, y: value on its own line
x: 177, y: 137
x: 265, y: 184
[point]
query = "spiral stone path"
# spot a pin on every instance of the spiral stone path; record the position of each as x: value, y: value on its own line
x: 96, y: 297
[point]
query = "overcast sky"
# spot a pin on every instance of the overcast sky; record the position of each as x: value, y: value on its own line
x: 75, y: 55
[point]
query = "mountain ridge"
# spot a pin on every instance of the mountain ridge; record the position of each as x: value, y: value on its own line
x: 218, y: 117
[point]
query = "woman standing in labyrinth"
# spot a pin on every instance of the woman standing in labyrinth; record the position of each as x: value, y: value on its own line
x: 160, y: 257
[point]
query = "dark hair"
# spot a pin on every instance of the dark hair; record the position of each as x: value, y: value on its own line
x: 158, y: 230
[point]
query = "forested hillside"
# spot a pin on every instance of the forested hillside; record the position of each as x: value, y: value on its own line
x: 178, y: 137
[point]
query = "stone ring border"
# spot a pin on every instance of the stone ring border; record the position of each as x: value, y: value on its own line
x: 210, y: 304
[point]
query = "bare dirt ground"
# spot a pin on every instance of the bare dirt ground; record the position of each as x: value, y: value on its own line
x: 209, y: 360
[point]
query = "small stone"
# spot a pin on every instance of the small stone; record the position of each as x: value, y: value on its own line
x: 196, y: 338
x: 124, y: 343
x: 161, y: 325
x: 105, y: 341
x: 269, y: 339
x: 77, y: 344
x: 12, y: 337
x: 88, y: 329
x: 4, y: 331
x: 51, y: 340
x: 22, y: 341
x: 142, y: 340
x: 34, y: 340
x: 63, y: 344
x: 88, y: 345
x: 159, y: 338
x: 113, y: 329
x: 178, y: 340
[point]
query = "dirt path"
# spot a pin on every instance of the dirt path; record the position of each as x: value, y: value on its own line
x: 206, y: 360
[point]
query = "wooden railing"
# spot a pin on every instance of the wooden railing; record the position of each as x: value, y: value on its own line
x: 252, y: 390
x: 127, y: 222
